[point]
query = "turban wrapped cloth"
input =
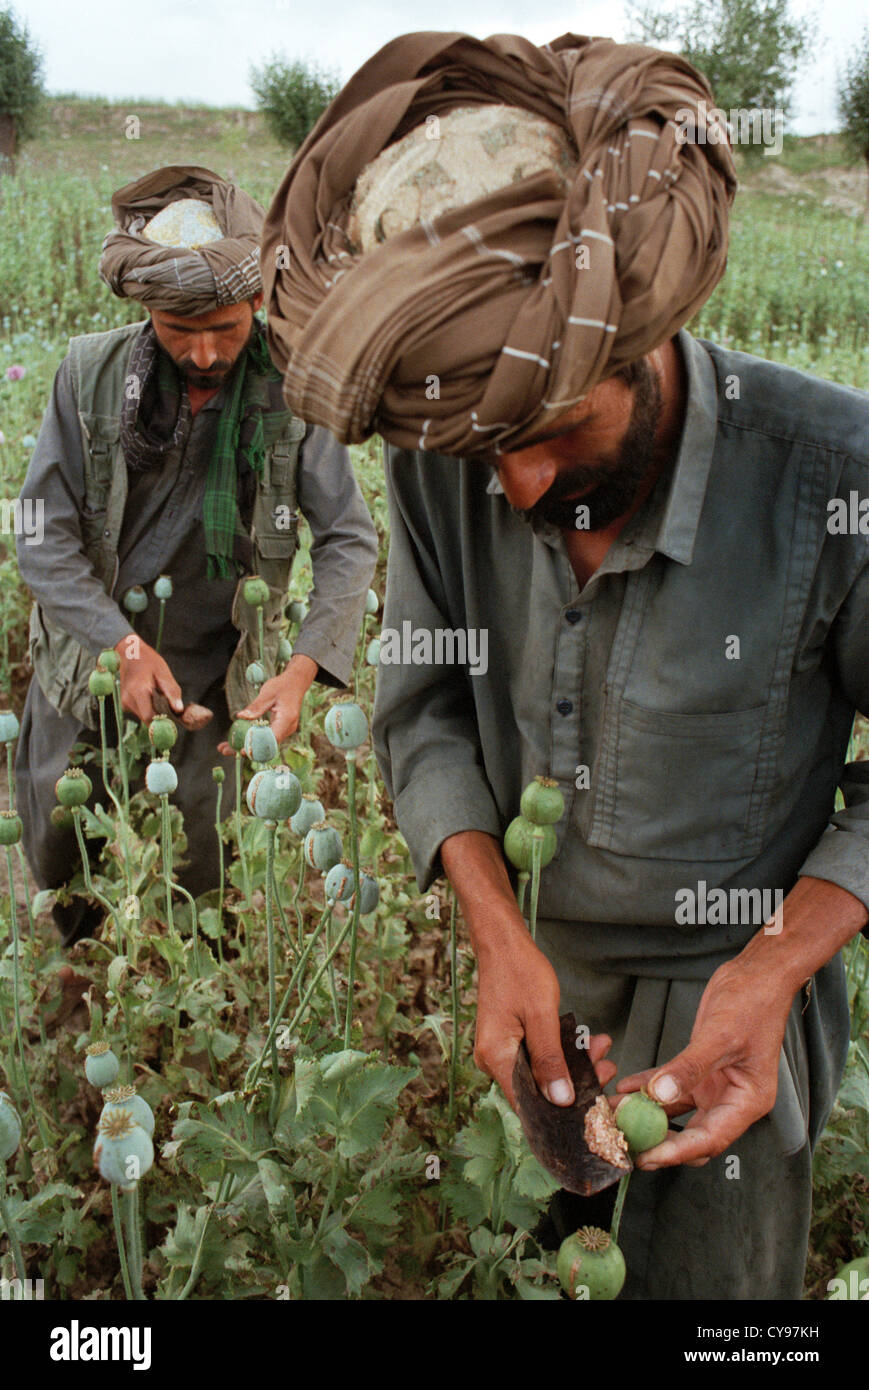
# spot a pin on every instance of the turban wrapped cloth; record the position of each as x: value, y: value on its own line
x: 463, y: 328
x: 216, y: 257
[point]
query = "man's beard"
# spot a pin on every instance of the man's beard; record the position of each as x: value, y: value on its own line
x: 617, y: 480
x: 205, y: 381
x: 217, y: 372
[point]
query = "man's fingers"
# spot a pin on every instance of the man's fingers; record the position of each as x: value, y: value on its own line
x: 599, y: 1045
x: 605, y: 1071
x: 676, y: 1082
x: 704, y: 1137
x: 497, y: 1059
x: 170, y: 688
x: 548, y: 1067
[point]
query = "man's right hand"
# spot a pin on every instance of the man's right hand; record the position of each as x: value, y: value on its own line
x: 518, y: 988
x: 143, y: 673
x: 519, y: 998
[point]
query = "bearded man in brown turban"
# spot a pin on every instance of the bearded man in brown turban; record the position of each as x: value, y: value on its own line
x: 167, y: 453
x: 488, y: 252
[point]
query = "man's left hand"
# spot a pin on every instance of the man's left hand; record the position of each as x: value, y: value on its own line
x: 728, y: 1073
x: 280, y: 699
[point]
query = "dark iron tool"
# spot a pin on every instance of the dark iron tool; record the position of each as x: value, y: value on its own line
x: 556, y: 1133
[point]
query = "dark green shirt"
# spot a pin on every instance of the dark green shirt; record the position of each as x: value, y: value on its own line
x: 709, y: 759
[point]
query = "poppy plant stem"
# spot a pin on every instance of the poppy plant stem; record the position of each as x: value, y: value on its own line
x: 354, y: 921
x: 119, y: 1241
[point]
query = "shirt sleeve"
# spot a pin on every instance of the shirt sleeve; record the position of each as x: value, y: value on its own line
x: 57, y: 571
x: 842, y: 854
x: 343, y: 555
x: 424, y: 728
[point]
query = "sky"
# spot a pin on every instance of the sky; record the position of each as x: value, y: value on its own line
x: 187, y: 51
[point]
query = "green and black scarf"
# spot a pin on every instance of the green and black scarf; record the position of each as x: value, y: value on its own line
x: 156, y: 418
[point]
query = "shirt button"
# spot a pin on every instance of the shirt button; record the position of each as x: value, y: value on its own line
x: 573, y: 615
x: 564, y: 706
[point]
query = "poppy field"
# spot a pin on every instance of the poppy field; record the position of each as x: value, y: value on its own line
x: 268, y: 1092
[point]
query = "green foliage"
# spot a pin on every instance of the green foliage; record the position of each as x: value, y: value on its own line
x: 853, y: 96
x: 748, y: 55
x: 321, y: 1189
x: 21, y: 67
x: 292, y: 96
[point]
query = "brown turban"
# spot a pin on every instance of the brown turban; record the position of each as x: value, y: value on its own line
x: 478, y: 327
x: 180, y: 279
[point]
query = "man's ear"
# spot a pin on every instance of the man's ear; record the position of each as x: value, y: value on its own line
x: 257, y: 301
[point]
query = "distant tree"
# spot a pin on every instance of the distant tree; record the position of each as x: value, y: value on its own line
x: 748, y: 50
x: 853, y: 94
x: 292, y: 96
x: 21, y: 89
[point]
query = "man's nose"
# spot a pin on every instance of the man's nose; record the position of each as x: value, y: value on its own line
x: 525, y: 477
x: 203, y: 353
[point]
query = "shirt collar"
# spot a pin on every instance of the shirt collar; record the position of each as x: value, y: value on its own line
x: 674, y: 515
x: 669, y: 518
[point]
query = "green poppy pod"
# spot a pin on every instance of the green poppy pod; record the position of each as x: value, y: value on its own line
x: 237, y: 734
x: 591, y: 1265
x: 340, y: 882
x: 101, y: 1066
x: 372, y: 652
x: 61, y: 818
x: 642, y: 1121
x: 163, y: 587
x: 135, y: 600
x: 372, y: 602
x: 369, y: 894
x: 163, y: 733
x: 322, y: 847
x: 127, y: 1098
x: 519, y: 840
x: 10, y: 828
x: 218, y: 775
x: 109, y: 660
x: 310, y: 811
x: 851, y: 1281
x: 256, y: 591
x: 260, y: 745
x: 285, y: 650
x: 10, y: 1128
x: 73, y: 788
x: 161, y: 779
x: 255, y: 673
x: 274, y: 794
x: 346, y: 725
x: 101, y: 683
x: 542, y: 802
x: 296, y: 612
x: 9, y: 726
x: 123, y: 1150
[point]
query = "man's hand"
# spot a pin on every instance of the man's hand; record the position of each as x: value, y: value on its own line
x: 728, y: 1073
x: 518, y: 998
x: 141, y: 675
x: 518, y: 993
x: 282, y: 697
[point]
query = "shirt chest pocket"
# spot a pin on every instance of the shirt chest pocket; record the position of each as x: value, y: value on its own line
x: 677, y: 786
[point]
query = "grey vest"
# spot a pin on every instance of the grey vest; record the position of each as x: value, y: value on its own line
x: 62, y: 665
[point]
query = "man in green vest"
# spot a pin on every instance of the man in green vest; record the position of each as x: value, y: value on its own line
x: 167, y: 450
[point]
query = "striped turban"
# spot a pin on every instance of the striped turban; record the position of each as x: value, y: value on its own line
x: 459, y: 307
x: 186, y: 242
